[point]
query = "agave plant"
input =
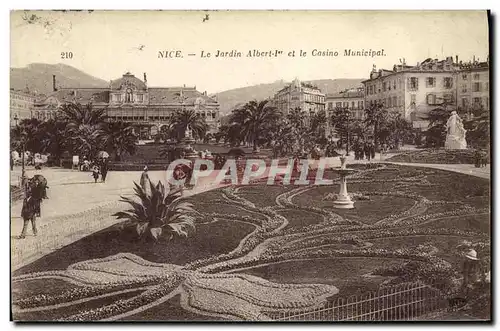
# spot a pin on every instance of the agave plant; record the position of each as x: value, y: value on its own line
x: 159, y: 213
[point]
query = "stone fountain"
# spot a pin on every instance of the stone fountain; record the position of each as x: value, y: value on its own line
x: 343, y: 200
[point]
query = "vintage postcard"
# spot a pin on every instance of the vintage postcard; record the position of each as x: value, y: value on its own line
x: 272, y: 166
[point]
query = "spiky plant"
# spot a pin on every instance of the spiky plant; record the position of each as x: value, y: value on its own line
x: 159, y: 213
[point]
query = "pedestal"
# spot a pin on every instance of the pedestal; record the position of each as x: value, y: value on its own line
x: 343, y: 200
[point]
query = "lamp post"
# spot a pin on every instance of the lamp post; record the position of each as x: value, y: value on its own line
x: 23, y: 174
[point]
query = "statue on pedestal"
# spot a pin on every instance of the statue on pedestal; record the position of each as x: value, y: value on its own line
x: 455, y: 133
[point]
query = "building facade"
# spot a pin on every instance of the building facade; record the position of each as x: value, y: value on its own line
x: 351, y: 99
x: 473, y: 88
x: 130, y: 99
x: 21, y: 105
x: 413, y: 91
x: 301, y: 95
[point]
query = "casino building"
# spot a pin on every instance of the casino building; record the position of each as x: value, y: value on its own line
x: 130, y: 99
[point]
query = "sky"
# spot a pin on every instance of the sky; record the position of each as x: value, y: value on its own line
x: 105, y: 44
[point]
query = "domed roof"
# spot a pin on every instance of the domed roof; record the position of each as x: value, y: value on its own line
x: 128, y: 80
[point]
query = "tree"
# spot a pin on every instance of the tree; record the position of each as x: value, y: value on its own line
x: 159, y: 214
x: 188, y: 117
x: 51, y: 135
x: 399, y: 129
x: 317, y: 128
x: 253, y: 119
x: 435, y: 135
x: 117, y: 138
x: 83, y: 125
x: 340, y: 121
x: 25, y: 135
x: 478, y: 128
x: 376, y: 116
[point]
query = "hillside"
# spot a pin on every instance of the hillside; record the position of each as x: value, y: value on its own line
x: 230, y: 98
x: 38, y: 77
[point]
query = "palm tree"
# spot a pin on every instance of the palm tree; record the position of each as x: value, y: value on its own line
x: 83, y: 126
x: 253, y: 119
x: 117, y: 138
x: 159, y: 214
x: 188, y: 117
x: 25, y: 135
x: 51, y: 137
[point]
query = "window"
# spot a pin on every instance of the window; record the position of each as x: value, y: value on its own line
x: 213, y: 115
x: 431, y: 99
x: 448, y: 82
x: 353, y: 105
x: 477, y: 101
x: 413, y: 99
x: 394, y: 101
x: 448, y: 98
x: 464, y: 88
x: 487, y: 86
x: 430, y: 82
x: 464, y: 76
x: 338, y: 105
x: 362, y: 105
x: 465, y: 102
x: 140, y: 98
x: 413, y: 83
x: 476, y: 76
x: 345, y: 105
x: 389, y: 103
x: 476, y: 87
x: 384, y: 86
x: 394, y: 84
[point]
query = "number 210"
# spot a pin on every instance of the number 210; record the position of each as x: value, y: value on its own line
x: 66, y: 55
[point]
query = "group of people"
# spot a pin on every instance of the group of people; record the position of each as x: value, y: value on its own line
x: 364, y: 150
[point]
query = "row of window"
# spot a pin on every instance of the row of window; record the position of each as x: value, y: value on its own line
x: 346, y: 104
x: 477, y: 87
x: 314, y: 98
x: 476, y: 102
x: 413, y: 83
x: 22, y: 105
x: 475, y: 76
x: 127, y: 97
x: 20, y: 97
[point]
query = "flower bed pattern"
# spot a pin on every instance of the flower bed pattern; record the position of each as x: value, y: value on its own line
x: 207, y: 286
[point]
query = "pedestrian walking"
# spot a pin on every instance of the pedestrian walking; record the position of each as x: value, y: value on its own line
x: 28, y: 213
x: 372, y: 150
x: 95, y: 173
x: 366, y: 151
x: 36, y: 193
x: 104, y: 171
x: 145, y: 182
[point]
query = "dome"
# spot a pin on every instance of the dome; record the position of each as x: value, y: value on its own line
x: 128, y: 80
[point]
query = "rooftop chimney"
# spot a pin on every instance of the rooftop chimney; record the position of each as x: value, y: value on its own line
x: 145, y: 78
x: 456, y: 57
x: 54, y: 83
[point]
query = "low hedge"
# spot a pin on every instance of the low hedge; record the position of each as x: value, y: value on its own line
x: 436, y: 156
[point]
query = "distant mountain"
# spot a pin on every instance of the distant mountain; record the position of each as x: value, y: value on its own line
x: 231, y: 98
x: 38, y: 77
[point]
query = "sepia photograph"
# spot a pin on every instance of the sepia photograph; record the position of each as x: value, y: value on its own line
x: 250, y: 166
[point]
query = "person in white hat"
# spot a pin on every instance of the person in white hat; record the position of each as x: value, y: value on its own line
x: 470, y: 268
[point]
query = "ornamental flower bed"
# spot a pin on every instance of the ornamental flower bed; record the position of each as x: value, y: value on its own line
x: 122, y: 306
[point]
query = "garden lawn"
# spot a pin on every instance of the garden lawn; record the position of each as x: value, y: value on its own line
x: 347, y: 274
x: 170, y: 310
x: 476, y: 223
x: 209, y: 239
x: 300, y: 218
x: 262, y: 195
